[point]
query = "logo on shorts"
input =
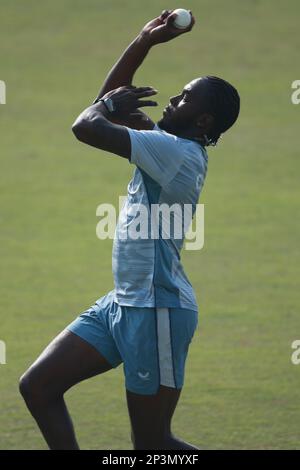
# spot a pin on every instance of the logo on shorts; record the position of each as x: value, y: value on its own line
x: 144, y: 376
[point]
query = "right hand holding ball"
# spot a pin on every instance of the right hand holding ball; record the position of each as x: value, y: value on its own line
x: 183, y: 18
x: 169, y: 25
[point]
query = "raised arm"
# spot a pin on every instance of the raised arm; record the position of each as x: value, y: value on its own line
x: 105, y: 130
x: 122, y: 74
x: 156, y: 31
x: 123, y: 71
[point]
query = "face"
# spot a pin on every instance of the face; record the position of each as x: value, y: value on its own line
x: 185, y: 113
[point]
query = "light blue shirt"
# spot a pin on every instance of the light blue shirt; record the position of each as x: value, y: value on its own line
x: 147, y: 271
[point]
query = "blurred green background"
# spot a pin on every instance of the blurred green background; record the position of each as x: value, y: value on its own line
x: 241, y: 390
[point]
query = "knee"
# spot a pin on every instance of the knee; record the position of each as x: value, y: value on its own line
x: 24, y: 385
x: 31, y: 389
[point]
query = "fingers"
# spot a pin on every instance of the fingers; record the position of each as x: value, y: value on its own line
x: 170, y: 20
x: 192, y: 22
x: 141, y: 103
x: 129, y: 96
x: 144, y: 88
x: 165, y: 14
x: 141, y: 92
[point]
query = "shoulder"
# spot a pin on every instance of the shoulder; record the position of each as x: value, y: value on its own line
x: 195, y: 151
x: 155, y: 141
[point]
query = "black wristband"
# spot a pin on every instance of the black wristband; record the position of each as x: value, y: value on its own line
x: 104, y: 104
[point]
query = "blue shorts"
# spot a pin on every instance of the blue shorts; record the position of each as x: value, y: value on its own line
x: 152, y: 343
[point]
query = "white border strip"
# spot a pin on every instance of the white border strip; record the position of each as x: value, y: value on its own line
x: 165, y: 348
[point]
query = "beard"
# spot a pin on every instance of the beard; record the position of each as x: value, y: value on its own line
x: 161, y: 124
x: 173, y: 128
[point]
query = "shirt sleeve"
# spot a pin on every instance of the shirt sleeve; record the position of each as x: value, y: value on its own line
x: 158, y: 153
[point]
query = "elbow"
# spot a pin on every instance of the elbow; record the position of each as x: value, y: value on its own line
x: 88, y: 128
x: 79, y: 129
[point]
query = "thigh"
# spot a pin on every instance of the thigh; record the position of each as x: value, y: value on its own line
x: 85, y: 348
x: 183, y: 325
x: 154, y: 344
x: 67, y: 360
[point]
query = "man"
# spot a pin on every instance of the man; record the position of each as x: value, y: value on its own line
x: 147, y: 322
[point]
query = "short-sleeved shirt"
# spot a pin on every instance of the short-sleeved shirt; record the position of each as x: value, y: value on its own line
x: 147, y: 269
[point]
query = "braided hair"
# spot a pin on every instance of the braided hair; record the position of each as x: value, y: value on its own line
x: 223, y: 102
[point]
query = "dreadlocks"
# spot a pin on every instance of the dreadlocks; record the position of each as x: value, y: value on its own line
x: 223, y: 102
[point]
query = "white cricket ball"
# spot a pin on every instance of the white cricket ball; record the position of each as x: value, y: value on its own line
x: 183, y: 18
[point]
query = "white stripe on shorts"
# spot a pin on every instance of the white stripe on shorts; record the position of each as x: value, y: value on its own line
x: 165, y: 348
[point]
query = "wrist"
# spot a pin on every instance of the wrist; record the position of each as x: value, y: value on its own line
x: 143, y: 38
x: 109, y: 104
x: 102, y: 108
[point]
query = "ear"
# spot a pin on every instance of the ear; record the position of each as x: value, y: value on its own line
x: 205, y: 122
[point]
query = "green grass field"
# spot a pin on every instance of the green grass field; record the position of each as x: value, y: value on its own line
x: 241, y: 389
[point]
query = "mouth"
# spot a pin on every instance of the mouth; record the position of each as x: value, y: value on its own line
x: 166, y: 110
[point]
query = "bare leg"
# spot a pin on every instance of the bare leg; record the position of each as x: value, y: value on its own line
x: 150, y: 417
x: 67, y: 360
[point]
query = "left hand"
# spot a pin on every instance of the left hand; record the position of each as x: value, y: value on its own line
x: 127, y: 99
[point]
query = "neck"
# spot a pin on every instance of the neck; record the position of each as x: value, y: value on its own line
x: 189, y: 135
x: 185, y: 134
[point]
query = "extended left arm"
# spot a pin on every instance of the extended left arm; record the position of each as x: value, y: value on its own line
x: 92, y: 126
